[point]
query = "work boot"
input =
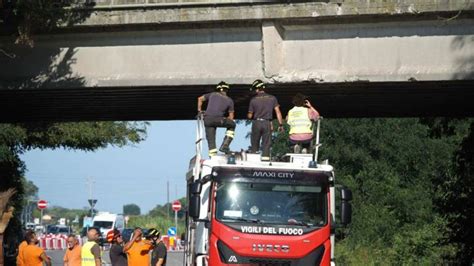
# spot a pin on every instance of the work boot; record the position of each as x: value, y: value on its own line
x: 225, y: 144
x: 297, y: 148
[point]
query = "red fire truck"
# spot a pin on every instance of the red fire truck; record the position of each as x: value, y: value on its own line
x: 243, y: 211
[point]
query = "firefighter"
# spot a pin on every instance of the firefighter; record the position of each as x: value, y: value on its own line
x: 117, y: 256
x: 300, y: 119
x: 159, y: 253
x: 261, y: 109
x: 218, y: 105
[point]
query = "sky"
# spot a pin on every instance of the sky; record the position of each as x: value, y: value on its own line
x: 132, y: 174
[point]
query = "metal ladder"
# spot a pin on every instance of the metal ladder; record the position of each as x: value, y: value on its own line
x: 200, y: 133
x: 189, y: 257
x: 316, y: 143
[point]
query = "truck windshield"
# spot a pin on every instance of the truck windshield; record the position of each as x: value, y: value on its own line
x: 285, y: 204
x: 103, y: 224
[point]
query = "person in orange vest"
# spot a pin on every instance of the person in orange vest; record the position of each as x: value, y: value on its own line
x: 300, y: 120
x: 138, y: 249
x: 21, y: 247
x: 72, y: 257
x: 32, y: 254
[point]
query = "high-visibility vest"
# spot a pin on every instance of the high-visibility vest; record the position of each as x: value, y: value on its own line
x: 299, y: 121
x: 87, y: 257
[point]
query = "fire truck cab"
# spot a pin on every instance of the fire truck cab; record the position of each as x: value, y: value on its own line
x: 243, y: 211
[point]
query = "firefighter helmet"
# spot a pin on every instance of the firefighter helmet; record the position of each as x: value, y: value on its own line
x: 112, y: 235
x: 222, y: 86
x: 152, y: 232
x: 257, y: 85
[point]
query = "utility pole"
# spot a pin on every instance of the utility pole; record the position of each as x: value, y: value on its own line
x: 90, y: 182
x: 168, y: 199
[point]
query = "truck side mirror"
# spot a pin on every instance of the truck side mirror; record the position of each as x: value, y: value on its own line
x: 346, y: 207
x: 346, y: 194
x: 194, y: 206
x: 195, y: 200
x: 346, y: 213
x: 196, y: 188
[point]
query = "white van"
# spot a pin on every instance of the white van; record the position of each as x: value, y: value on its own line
x: 107, y: 221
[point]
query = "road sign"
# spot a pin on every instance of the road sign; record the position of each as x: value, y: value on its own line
x: 42, y: 204
x: 92, y: 202
x: 172, y: 231
x: 87, y: 221
x: 176, y: 206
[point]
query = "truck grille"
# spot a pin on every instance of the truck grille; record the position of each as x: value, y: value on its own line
x: 267, y: 262
x: 228, y: 256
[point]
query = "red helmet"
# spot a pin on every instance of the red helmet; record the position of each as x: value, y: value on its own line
x: 112, y: 235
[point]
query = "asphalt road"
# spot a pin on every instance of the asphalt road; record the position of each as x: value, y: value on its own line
x: 175, y: 258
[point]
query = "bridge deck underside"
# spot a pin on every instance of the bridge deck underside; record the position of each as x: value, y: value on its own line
x: 356, y: 99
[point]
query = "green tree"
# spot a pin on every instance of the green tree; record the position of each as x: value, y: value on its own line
x: 15, y: 139
x: 70, y: 214
x: 166, y: 211
x: 26, y: 18
x: 393, y: 167
x: 456, y: 200
x: 31, y: 190
x: 131, y: 209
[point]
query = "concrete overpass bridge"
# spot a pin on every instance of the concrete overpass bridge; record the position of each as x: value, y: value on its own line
x: 146, y: 59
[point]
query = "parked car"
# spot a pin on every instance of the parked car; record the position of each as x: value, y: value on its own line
x: 63, y: 230
x: 106, y: 221
x: 30, y: 226
x: 127, y: 234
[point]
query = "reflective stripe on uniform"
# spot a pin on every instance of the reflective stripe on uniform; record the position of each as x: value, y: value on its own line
x: 265, y: 158
x: 212, y: 152
x: 299, y: 121
x: 230, y: 133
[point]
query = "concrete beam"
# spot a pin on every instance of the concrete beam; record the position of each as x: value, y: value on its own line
x: 142, y: 14
x: 276, y: 52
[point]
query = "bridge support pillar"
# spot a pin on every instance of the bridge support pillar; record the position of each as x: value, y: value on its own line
x: 272, y: 49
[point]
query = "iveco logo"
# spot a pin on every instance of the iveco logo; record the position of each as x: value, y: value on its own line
x: 233, y: 259
x: 270, y: 248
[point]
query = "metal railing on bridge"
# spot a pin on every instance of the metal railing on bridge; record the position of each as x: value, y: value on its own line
x: 164, y: 3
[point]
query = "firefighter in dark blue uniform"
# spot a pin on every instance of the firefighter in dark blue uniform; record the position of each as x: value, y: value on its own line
x: 218, y: 105
x: 260, y: 111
